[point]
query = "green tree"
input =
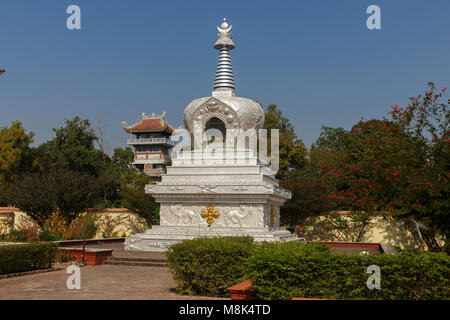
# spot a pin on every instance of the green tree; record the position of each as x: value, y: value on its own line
x: 75, y: 192
x: 122, y: 159
x: 69, y: 193
x: 42, y: 159
x: 73, y: 148
x: 399, y: 165
x: 426, y: 119
x: 30, y: 193
x: 130, y: 184
x: 14, y: 151
x: 309, y: 199
x: 294, y: 171
x: 292, y: 150
x: 133, y: 196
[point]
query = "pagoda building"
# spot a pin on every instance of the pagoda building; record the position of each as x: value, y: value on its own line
x: 150, y: 138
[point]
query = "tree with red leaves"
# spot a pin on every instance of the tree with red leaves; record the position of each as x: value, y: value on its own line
x: 399, y: 165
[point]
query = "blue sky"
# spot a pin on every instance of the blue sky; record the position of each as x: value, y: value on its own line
x: 315, y: 59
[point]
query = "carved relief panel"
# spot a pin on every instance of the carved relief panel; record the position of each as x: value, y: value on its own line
x: 243, y: 216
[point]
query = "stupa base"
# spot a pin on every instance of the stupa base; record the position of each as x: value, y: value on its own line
x: 160, y: 238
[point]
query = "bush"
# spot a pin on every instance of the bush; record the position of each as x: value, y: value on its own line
x: 47, y: 235
x: 287, y: 270
x: 65, y: 257
x: 25, y: 230
x: 208, y: 266
x: 84, y: 227
x: 55, y: 228
x: 26, y: 257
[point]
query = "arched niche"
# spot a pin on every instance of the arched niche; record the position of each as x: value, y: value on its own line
x: 215, y: 127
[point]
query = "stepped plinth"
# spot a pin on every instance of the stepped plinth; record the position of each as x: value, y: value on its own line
x: 211, y: 197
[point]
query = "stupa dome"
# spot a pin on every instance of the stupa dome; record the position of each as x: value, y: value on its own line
x: 224, y: 106
x: 234, y: 112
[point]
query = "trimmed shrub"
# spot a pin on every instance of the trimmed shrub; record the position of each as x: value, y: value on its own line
x: 26, y: 257
x: 287, y: 270
x: 208, y: 266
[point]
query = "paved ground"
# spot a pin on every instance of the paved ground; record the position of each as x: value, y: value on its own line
x: 98, y: 282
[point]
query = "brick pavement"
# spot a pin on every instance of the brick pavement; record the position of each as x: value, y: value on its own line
x: 97, y: 283
x: 103, y: 282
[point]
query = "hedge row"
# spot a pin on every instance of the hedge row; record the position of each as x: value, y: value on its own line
x: 208, y: 266
x: 292, y: 269
x: 26, y: 257
x: 287, y: 270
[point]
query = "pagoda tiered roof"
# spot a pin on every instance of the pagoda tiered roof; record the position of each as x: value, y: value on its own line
x: 149, y: 124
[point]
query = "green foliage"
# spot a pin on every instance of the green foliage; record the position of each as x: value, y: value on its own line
x: 426, y: 119
x: 122, y: 159
x: 287, y: 270
x: 47, y: 235
x: 208, y: 266
x: 65, y: 257
x: 134, y: 198
x: 67, y: 192
x: 26, y: 229
x: 68, y: 175
x: 73, y: 148
x: 308, y: 195
x: 309, y: 199
x: 14, y: 153
x: 75, y: 192
x: 399, y: 165
x: 292, y: 151
x: 85, y: 226
x: 26, y: 257
x: 30, y: 193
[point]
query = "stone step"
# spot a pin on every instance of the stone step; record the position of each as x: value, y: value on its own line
x: 135, y: 263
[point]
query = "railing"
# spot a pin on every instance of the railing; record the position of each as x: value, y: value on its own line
x: 150, y: 156
x: 154, y: 172
x: 150, y: 140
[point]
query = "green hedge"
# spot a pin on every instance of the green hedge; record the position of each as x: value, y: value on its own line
x: 287, y: 270
x: 26, y: 257
x: 208, y: 266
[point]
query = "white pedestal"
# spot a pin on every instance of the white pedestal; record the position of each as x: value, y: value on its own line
x: 239, y: 193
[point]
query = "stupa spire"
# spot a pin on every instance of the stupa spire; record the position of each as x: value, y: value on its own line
x: 224, y: 80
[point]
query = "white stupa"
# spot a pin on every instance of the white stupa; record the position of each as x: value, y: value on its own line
x: 224, y: 190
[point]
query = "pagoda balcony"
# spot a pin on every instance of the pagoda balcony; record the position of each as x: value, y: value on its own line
x: 157, y: 172
x: 144, y: 141
x: 150, y: 158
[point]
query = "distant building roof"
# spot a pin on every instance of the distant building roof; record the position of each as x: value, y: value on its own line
x: 149, y: 124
